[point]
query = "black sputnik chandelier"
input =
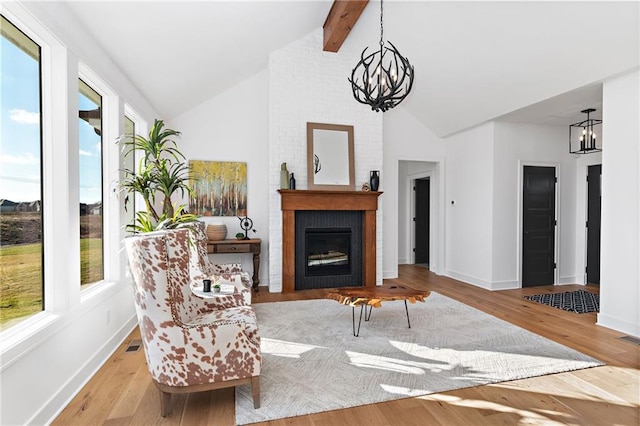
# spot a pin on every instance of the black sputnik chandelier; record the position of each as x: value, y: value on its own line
x: 383, y: 78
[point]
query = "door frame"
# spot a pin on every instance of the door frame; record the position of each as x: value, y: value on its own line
x: 582, y: 169
x: 437, y: 235
x: 556, y: 242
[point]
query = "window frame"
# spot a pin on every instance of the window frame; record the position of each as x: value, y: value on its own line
x: 39, y: 59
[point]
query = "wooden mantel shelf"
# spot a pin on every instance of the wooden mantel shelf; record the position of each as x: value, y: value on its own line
x: 293, y: 200
x: 297, y: 199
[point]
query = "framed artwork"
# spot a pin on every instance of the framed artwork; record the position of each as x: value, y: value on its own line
x: 220, y: 188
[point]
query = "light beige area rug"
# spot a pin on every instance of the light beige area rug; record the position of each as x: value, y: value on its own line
x: 313, y: 363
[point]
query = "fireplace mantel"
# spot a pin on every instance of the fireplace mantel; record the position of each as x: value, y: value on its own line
x: 293, y: 200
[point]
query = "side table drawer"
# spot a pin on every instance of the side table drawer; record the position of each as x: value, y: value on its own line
x: 233, y: 248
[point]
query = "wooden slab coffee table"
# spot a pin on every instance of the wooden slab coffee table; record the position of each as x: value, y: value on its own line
x: 373, y: 298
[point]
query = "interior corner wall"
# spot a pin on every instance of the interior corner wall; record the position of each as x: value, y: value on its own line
x: 233, y: 126
x: 407, y: 140
x: 469, y: 205
x: 517, y: 145
x: 620, y: 240
x: 307, y: 84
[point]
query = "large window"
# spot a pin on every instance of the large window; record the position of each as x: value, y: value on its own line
x: 21, y: 254
x: 90, y: 145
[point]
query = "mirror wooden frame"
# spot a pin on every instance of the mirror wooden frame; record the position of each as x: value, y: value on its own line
x: 313, y: 141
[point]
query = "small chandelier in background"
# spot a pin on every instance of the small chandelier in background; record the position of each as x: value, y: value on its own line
x: 383, y: 78
x: 583, y: 136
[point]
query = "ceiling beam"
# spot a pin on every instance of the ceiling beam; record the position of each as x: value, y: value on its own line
x: 340, y: 20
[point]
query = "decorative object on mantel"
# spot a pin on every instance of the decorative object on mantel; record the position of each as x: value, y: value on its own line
x: 284, y: 176
x: 374, y: 179
x: 582, y: 135
x: 247, y: 225
x: 220, y: 188
x: 387, y: 76
x: 216, y: 231
x: 365, y: 187
x: 292, y: 182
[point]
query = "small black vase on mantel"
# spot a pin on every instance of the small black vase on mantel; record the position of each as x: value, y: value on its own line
x: 374, y: 180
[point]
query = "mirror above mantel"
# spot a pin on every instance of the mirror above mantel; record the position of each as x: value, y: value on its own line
x: 330, y: 157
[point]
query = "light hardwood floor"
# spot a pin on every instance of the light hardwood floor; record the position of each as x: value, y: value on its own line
x: 121, y: 393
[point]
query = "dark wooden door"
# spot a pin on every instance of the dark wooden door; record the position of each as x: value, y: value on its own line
x: 594, y: 176
x: 422, y: 188
x: 538, y: 226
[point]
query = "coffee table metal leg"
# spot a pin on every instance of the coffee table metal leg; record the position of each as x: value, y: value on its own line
x: 367, y: 316
x: 407, y: 310
x: 353, y: 320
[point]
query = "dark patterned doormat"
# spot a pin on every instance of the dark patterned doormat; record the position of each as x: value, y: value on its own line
x: 580, y: 301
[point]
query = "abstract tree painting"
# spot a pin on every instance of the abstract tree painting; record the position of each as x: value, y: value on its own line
x: 220, y: 188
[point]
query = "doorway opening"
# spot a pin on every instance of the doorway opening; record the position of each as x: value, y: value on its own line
x: 416, y: 176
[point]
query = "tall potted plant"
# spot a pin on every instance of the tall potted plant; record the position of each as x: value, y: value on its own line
x: 161, y: 173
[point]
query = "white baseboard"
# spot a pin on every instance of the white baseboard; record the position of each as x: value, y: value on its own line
x: 74, y: 385
x: 504, y: 285
x: 568, y: 280
x: 623, y: 326
x: 469, y: 279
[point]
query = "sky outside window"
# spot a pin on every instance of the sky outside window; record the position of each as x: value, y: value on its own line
x: 20, y: 124
x: 90, y: 147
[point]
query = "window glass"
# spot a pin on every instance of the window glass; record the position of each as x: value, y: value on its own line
x: 90, y: 145
x: 21, y: 255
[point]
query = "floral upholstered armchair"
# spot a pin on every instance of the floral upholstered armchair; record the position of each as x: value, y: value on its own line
x: 189, y: 346
x: 227, y: 273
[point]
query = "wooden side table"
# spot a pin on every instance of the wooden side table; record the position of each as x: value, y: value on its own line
x: 240, y: 246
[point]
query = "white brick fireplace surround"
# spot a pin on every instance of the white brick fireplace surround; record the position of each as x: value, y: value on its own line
x: 309, y: 85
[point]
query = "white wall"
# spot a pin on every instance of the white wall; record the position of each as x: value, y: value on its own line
x: 47, y: 358
x: 620, y: 246
x: 309, y: 85
x: 518, y: 145
x: 469, y: 205
x: 407, y: 140
x: 233, y: 126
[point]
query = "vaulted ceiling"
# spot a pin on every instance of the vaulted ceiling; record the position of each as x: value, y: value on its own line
x: 537, y: 62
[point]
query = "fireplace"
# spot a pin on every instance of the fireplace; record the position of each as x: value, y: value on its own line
x: 328, y: 247
x: 333, y: 211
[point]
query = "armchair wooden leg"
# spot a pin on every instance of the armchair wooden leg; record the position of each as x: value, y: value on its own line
x: 255, y: 391
x: 165, y: 403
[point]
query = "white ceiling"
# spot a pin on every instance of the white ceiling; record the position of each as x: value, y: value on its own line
x: 474, y: 61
